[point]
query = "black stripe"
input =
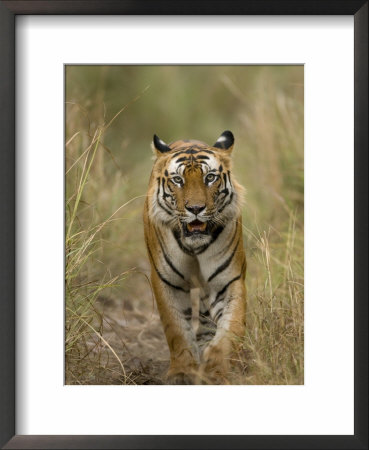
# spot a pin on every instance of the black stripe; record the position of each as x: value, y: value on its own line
x: 225, y: 264
x: 168, y: 211
x: 204, y: 320
x: 192, y: 151
x: 226, y: 204
x: 187, y: 312
x: 161, y: 276
x: 176, y: 153
x: 177, y: 236
x: 208, y: 151
x: 228, y: 246
x: 216, y: 301
x: 205, y: 333
x: 214, y: 236
x: 169, y: 262
x: 165, y: 195
x: 225, y: 191
x: 179, y: 166
x: 222, y: 291
x: 218, y: 315
x: 205, y: 315
x: 203, y: 248
x: 229, y: 178
x: 216, y: 233
x: 190, y: 158
x: 189, y: 150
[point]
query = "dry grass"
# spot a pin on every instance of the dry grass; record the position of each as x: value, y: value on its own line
x: 84, y: 324
x: 274, y: 345
x: 113, y: 332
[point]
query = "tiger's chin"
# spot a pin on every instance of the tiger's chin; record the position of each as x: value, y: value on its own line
x: 196, y: 234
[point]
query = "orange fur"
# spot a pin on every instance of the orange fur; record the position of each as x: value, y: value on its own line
x: 193, y: 233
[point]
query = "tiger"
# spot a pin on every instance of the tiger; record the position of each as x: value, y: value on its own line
x: 193, y: 234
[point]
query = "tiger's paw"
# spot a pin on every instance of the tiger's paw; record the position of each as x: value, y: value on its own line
x: 181, y: 377
x: 215, y: 367
x: 182, y: 373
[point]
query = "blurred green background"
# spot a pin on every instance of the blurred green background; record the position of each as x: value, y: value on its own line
x: 264, y: 108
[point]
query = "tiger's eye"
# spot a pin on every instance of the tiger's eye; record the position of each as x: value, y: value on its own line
x: 209, y: 178
x: 177, y: 180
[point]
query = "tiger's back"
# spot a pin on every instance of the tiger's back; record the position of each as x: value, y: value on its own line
x: 193, y: 233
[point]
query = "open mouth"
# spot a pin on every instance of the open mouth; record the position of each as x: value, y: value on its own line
x: 196, y: 227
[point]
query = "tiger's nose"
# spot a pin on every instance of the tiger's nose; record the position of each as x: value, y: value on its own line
x: 195, y: 209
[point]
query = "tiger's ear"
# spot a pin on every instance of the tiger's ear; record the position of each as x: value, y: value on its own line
x: 159, y: 146
x: 225, y: 141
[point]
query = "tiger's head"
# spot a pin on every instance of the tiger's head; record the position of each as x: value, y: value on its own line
x: 193, y: 190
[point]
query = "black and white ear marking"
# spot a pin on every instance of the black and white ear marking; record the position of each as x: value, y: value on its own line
x: 225, y: 140
x: 160, y: 145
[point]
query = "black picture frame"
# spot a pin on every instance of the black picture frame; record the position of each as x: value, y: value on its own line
x: 8, y: 12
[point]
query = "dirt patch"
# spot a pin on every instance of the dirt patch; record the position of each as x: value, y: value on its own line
x: 132, y: 327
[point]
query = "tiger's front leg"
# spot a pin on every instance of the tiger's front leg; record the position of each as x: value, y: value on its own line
x: 174, y: 304
x: 228, y: 310
x: 207, y: 327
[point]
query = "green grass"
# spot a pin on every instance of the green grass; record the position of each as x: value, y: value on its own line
x: 113, y: 333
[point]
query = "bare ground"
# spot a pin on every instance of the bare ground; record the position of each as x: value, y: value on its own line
x: 133, y: 329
